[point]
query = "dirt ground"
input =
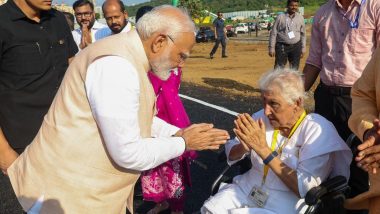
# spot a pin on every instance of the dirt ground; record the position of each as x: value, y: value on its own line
x: 246, y: 62
x: 236, y: 75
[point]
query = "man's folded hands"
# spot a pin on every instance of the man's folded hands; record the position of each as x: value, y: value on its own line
x: 203, y: 136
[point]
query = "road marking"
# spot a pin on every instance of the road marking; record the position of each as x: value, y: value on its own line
x: 210, y: 105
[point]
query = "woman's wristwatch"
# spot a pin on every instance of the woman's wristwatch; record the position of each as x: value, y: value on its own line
x: 270, y: 157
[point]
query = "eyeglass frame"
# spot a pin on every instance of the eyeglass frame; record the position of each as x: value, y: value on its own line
x: 85, y: 14
x: 183, y: 57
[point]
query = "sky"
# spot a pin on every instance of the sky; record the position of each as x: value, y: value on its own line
x: 100, y: 2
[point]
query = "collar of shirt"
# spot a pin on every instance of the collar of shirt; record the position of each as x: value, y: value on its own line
x: 127, y: 28
x: 338, y: 4
x: 106, y: 31
x: 288, y: 15
x: 16, y: 12
x: 97, y: 25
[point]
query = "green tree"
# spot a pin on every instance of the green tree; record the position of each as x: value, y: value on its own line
x: 195, y: 8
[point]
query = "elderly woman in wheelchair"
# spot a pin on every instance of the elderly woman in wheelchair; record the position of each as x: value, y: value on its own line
x: 291, y: 152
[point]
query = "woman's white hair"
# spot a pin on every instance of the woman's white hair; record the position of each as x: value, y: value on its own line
x: 290, y: 83
x: 157, y: 20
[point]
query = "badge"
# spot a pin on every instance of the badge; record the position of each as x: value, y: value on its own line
x: 258, y: 196
x: 61, y: 41
x: 291, y: 35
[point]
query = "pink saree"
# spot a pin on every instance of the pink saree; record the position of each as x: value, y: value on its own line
x: 167, y: 181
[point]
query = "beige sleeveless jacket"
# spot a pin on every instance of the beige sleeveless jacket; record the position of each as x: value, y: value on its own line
x: 67, y: 162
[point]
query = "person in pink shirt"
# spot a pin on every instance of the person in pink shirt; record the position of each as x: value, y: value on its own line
x: 165, y: 184
x: 344, y: 36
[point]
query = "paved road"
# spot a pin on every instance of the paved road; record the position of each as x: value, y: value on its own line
x: 203, y: 177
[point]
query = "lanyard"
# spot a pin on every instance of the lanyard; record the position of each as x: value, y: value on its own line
x: 355, y: 24
x: 274, y: 142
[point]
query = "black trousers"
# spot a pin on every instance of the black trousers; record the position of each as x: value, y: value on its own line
x: 291, y: 53
x: 334, y: 103
x: 219, y: 40
x: 8, y: 200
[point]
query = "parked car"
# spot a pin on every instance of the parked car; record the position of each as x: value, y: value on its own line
x: 263, y: 24
x: 230, y: 31
x: 205, y: 35
x: 241, y: 28
x: 252, y: 26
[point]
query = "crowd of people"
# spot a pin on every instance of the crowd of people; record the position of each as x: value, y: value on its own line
x: 84, y: 112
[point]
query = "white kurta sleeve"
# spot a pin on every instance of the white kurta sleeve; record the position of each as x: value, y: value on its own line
x: 161, y: 128
x: 112, y: 87
x: 228, y: 147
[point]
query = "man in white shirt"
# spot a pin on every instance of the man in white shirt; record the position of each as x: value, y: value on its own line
x: 85, y: 16
x: 100, y: 130
x: 116, y: 17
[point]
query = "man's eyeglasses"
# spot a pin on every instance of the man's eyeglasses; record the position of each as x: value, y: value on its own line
x: 182, y: 55
x: 85, y: 14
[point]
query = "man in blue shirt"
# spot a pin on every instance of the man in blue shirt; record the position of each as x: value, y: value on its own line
x: 220, y: 35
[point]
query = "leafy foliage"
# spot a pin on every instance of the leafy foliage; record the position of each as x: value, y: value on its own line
x: 228, y: 5
x: 133, y: 9
x: 241, y: 5
x: 195, y: 7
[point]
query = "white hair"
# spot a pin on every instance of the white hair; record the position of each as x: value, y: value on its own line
x: 290, y: 83
x: 157, y: 21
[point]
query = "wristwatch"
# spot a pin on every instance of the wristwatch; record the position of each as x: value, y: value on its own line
x: 270, y: 157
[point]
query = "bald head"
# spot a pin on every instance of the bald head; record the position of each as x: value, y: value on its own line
x: 115, y: 15
x: 119, y: 5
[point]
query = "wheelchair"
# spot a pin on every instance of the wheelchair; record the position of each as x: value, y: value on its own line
x: 327, y: 198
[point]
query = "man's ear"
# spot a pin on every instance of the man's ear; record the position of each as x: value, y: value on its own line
x: 299, y: 102
x: 159, y: 43
x: 125, y: 14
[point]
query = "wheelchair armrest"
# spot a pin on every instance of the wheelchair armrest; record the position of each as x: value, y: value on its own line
x: 244, y: 165
x: 218, y: 180
x: 314, y: 195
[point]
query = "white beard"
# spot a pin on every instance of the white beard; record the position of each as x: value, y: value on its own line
x: 161, y: 67
x: 164, y: 75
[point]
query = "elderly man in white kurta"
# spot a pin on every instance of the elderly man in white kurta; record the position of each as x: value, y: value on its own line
x: 291, y: 152
x: 100, y: 131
